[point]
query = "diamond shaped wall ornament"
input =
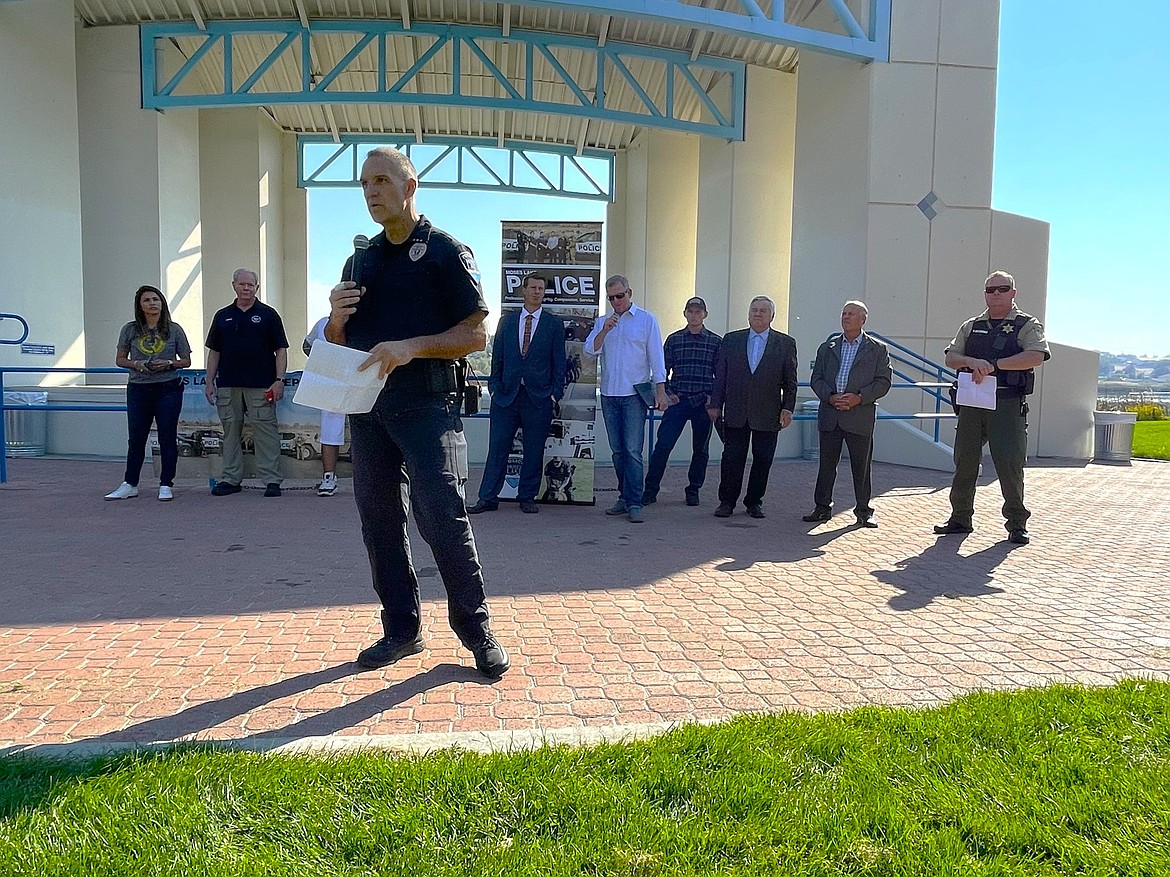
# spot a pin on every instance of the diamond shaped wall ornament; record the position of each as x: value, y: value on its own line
x: 931, y: 206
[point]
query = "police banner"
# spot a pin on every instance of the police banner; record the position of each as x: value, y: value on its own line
x: 568, y: 255
x: 201, y: 436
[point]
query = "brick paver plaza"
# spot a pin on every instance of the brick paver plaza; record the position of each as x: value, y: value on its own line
x: 238, y: 618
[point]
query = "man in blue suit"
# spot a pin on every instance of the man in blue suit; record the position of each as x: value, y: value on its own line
x: 528, y: 377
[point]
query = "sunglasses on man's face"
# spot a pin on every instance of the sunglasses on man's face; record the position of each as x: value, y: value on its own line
x: 617, y: 297
x: 1002, y: 290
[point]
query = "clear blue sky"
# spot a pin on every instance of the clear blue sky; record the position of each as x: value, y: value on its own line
x: 1082, y: 142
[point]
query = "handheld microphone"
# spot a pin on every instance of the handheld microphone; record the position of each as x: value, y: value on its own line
x: 353, y: 271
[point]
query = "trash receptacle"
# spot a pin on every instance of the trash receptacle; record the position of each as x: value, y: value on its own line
x: 1113, y: 436
x: 808, y: 430
x: 26, y: 426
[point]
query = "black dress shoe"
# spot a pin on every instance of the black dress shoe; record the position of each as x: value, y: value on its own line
x: 1019, y: 536
x: 818, y: 515
x: 866, y: 521
x: 272, y: 489
x: 385, y: 652
x: 482, y: 506
x: 724, y: 511
x: 491, y: 659
x: 224, y: 488
x: 529, y: 507
x: 692, y: 499
x: 951, y: 527
x: 756, y: 511
x: 649, y: 498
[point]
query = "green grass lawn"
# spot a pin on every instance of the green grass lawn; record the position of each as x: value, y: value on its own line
x: 1058, y: 781
x: 1151, y: 438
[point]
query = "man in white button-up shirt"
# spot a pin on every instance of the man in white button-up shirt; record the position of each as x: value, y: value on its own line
x: 629, y: 343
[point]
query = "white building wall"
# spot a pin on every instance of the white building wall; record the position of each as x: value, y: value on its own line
x: 180, y: 228
x: 928, y: 118
x: 119, y: 188
x: 744, y: 245
x: 295, y: 251
x: 229, y: 191
x: 662, y: 172
x: 40, y: 198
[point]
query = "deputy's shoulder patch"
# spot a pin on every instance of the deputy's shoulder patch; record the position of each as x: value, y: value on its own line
x: 417, y: 250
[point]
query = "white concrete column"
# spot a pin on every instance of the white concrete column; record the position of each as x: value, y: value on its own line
x: 661, y: 201
x: 616, y: 233
x: 40, y: 198
x: 295, y: 252
x: 180, y: 228
x: 229, y: 197
x: 120, y: 206
x: 744, y: 244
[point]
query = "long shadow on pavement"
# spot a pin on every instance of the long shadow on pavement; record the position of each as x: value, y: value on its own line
x: 940, y: 572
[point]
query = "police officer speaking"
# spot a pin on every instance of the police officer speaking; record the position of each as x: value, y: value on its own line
x: 1008, y: 344
x: 412, y: 298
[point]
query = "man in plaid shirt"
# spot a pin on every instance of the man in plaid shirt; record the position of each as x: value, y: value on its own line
x: 690, y: 373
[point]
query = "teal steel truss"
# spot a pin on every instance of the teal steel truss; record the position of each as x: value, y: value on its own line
x: 866, y: 38
x: 256, y: 63
x: 463, y: 163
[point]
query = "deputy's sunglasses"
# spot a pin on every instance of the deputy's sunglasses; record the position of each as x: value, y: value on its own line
x: 1002, y: 290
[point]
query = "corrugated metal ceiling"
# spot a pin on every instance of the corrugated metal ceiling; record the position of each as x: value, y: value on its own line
x: 421, y: 122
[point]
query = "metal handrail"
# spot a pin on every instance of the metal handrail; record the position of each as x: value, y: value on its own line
x: 929, y: 387
x: 23, y: 322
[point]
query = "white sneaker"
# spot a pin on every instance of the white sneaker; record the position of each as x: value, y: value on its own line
x: 123, y: 491
x: 328, y: 485
x: 165, y: 494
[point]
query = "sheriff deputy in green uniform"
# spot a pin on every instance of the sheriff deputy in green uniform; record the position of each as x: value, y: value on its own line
x: 1009, y: 344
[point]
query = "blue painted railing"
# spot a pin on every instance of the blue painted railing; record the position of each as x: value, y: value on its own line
x: 899, y: 354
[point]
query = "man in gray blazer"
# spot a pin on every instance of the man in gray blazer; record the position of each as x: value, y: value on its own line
x: 528, y: 376
x: 755, y: 391
x: 852, y: 371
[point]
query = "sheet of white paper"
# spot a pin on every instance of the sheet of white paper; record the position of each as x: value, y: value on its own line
x: 331, y: 380
x: 974, y: 395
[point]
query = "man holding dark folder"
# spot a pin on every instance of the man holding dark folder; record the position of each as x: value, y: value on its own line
x: 633, y: 379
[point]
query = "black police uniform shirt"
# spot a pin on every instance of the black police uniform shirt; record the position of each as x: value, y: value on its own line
x: 247, y: 342
x: 424, y: 286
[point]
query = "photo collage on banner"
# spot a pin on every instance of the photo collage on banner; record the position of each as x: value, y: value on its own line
x: 568, y: 254
x: 201, y: 435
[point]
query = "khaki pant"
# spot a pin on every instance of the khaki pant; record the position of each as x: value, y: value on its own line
x: 1005, y: 430
x: 235, y: 405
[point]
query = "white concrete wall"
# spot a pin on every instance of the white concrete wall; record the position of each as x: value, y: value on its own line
x: 295, y: 250
x: 1061, y: 418
x: 662, y: 170
x: 119, y: 187
x: 229, y: 191
x: 744, y: 247
x: 40, y: 196
x: 270, y: 198
x: 180, y: 229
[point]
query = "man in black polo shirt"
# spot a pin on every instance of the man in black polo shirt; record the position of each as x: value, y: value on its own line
x: 419, y: 308
x: 247, y: 357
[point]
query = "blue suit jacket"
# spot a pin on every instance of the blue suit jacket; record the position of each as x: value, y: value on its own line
x: 543, y: 370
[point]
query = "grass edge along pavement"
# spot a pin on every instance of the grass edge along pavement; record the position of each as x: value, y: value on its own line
x: 1062, y: 780
x: 1151, y: 438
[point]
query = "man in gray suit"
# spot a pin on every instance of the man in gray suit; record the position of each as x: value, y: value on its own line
x: 852, y: 371
x: 755, y: 391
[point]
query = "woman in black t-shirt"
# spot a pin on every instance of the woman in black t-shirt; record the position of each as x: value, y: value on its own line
x: 153, y: 348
